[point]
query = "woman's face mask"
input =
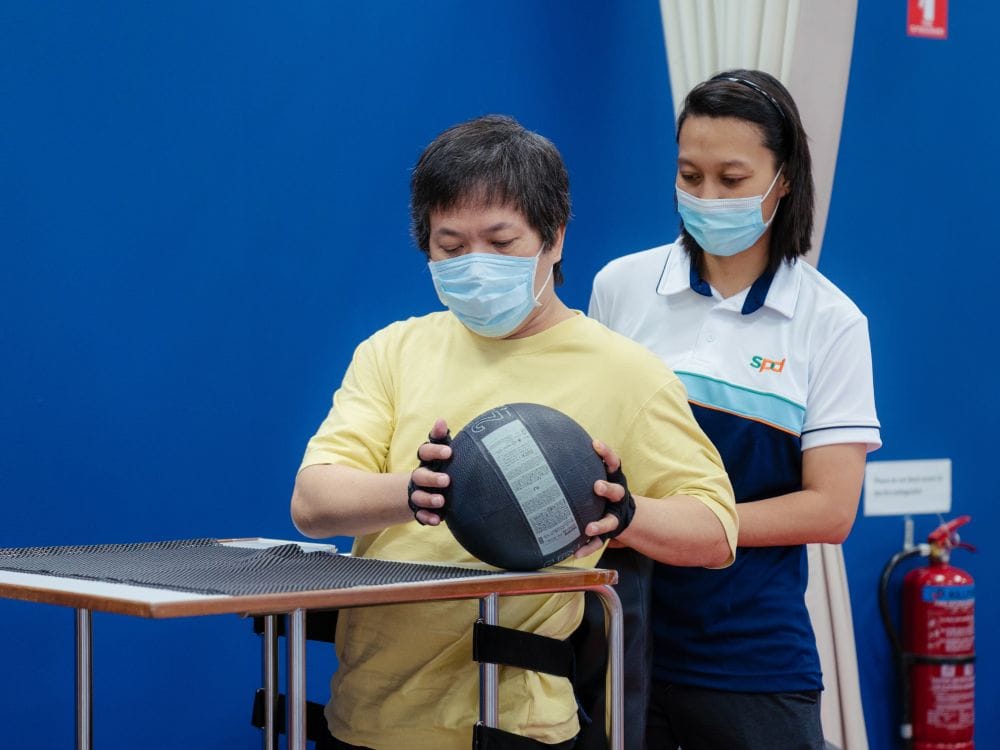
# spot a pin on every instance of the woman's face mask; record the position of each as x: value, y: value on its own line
x: 490, y: 294
x: 725, y: 226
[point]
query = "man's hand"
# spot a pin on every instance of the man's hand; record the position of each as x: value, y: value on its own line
x: 620, y: 504
x: 427, y: 488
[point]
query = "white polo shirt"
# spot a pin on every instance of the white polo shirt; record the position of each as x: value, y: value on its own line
x: 777, y: 369
x: 793, y: 354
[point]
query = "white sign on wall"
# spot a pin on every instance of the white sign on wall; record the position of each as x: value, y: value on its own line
x: 899, y: 488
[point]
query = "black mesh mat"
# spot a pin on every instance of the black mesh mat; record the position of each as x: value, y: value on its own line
x: 204, y: 566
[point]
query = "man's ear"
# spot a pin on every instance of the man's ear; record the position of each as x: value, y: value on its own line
x: 555, y: 249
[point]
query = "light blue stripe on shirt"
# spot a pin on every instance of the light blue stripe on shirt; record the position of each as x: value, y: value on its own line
x: 764, y: 407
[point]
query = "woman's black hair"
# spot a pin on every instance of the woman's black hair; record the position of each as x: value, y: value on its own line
x: 759, y: 98
x: 488, y: 161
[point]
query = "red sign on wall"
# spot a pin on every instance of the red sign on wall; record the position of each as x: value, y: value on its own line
x: 927, y: 18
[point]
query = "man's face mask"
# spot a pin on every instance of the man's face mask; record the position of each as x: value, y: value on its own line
x: 725, y: 226
x: 490, y: 294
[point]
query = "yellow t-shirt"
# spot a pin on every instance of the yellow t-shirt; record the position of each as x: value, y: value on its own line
x: 406, y: 676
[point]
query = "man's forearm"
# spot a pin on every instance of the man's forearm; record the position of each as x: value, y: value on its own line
x: 330, y: 500
x: 679, y: 530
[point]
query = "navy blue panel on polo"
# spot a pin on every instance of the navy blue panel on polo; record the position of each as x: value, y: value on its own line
x: 745, y: 629
x: 755, y: 296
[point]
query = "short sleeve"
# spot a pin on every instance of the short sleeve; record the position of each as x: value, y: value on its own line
x: 669, y: 454
x: 840, y: 406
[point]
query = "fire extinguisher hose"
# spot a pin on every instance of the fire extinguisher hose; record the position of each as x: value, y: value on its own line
x: 883, y: 595
x: 890, y: 630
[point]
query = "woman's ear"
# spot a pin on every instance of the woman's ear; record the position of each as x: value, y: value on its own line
x: 784, y: 186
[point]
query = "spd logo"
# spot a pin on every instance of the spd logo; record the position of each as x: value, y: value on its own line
x: 762, y: 364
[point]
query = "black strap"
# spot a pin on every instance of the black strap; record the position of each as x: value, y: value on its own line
x: 516, y: 648
x: 909, y: 657
x: 491, y: 738
x: 321, y: 625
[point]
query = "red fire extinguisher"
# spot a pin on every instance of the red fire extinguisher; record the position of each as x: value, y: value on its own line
x: 937, y: 654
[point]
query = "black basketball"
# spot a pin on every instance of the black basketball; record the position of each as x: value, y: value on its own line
x: 522, y: 486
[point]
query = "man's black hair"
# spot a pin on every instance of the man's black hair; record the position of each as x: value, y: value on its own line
x: 491, y: 161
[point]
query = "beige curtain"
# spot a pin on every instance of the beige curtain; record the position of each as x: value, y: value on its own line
x: 707, y: 36
x: 829, y: 604
x: 807, y: 46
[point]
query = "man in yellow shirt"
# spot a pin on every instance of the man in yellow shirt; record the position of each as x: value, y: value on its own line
x: 490, y: 204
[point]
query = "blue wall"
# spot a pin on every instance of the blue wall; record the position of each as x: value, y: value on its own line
x: 911, y: 240
x: 203, y: 209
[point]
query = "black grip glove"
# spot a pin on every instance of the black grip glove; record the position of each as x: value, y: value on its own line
x: 623, y: 510
x: 436, y: 465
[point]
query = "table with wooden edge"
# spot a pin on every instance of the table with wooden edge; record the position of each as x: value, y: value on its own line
x: 87, y: 596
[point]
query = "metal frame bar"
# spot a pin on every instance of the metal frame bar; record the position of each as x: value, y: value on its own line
x: 269, y: 663
x: 489, y: 673
x: 296, y: 676
x: 613, y: 616
x: 84, y: 680
x: 296, y: 673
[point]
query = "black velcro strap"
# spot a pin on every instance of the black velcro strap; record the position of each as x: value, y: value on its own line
x: 516, y: 648
x: 624, y: 509
x: 491, y: 738
x: 436, y: 465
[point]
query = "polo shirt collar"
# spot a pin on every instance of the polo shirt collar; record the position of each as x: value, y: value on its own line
x: 778, y: 290
x: 784, y: 291
x: 675, y: 277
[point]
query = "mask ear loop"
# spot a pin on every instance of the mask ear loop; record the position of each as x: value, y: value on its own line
x: 764, y: 197
x: 546, y: 282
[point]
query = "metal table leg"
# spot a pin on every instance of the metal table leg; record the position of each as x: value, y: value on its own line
x: 613, y: 614
x: 84, y: 680
x: 269, y: 662
x: 489, y: 674
x: 296, y: 698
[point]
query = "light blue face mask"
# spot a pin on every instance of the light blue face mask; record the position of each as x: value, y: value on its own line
x: 491, y: 294
x: 725, y: 226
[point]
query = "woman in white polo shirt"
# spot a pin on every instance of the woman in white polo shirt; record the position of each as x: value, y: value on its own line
x: 777, y: 365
